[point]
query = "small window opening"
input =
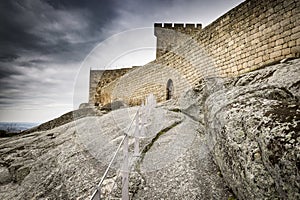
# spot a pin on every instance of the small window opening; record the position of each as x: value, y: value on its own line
x: 170, y: 89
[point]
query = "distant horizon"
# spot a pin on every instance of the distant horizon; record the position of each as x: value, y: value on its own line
x: 21, y: 122
x: 38, y: 122
x: 16, y: 127
x: 1, y: 122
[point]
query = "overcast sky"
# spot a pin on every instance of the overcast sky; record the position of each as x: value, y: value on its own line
x: 43, y: 44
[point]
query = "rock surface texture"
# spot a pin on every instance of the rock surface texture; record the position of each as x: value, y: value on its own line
x: 253, y: 122
x: 239, y: 134
x: 67, y: 162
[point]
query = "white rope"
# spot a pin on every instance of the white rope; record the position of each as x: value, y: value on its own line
x: 112, y: 160
x: 144, y: 111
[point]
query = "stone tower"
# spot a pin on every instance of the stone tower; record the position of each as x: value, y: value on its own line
x: 171, y: 35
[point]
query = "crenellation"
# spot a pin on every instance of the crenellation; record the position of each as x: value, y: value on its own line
x: 160, y: 25
x: 171, y: 35
x: 178, y: 25
x: 168, y: 25
x: 191, y: 26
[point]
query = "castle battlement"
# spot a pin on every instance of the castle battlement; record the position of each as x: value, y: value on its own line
x: 178, y: 26
x: 170, y: 35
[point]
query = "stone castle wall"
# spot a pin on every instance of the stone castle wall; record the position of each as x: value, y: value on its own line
x: 95, y: 76
x: 100, y: 78
x: 151, y: 78
x: 250, y: 36
x: 170, y: 36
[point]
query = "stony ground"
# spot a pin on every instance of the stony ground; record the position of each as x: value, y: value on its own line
x: 66, y: 162
x: 241, y: 132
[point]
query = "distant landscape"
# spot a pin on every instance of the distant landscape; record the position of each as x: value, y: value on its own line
x: 15, y: 127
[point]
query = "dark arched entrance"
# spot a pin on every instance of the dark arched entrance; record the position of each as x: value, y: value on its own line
x: 170, y: 89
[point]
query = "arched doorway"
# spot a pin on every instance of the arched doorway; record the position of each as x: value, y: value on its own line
x: 170, y: 89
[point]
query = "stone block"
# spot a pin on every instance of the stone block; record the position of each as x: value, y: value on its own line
x: 255, y: 41
x: 261, y: 53
x: 296, y: 29
x: 258, y: 60
x: 285, y: 45
x: 266, y: 56
x: 292, y: 43
x: 262, y: 27
x: 295, y: 50
x: 244, y: 65
x: 250, y: 62
x: 298, y: 42
x: 275, y: 27
x: 278, y: 48
x: 279, y: 42
x: 275, y: 54
x: 295, y: 36
x: 286, y: 51
x: 287, y: 3
x: 295, y: 20
x: 285, y: 22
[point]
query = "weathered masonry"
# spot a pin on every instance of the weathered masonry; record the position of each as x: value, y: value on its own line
x: 250, y: 36
x: 101, y: 78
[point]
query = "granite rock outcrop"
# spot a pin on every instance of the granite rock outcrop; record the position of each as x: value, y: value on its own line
x: 253, y: 123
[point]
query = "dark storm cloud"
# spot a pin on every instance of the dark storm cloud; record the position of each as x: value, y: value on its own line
x: 50, y: 27
x: 8, y: 57
x: 7, y: 71
x: 37, y: 34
